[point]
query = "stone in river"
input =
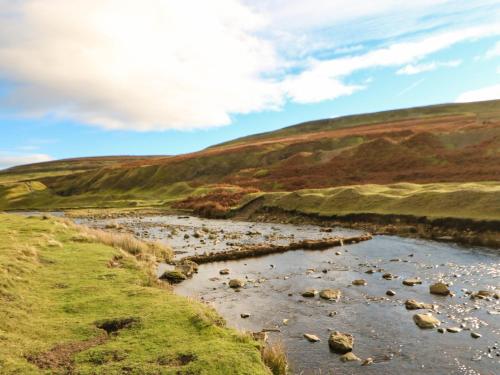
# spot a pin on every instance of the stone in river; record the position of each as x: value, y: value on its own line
x: 311, y: 338
x: 426, y: 321
x: 174, y: 276
x: 412, y: 282
x: 338, y: 253
x: 236, y: 283
x: 340, y: 342
x: 309, y: 293
x: 454, y: 329
x: 439, y: 289
x: 475, y: 335
x: 411, y: 304
x: 388, y: 276
x: 390, y: 293
x: 359, y: 282
x: 349, y: 357
x: 368, y: 361
x: 330, y: 294
x: 224, y: 271
x: 245, y: 315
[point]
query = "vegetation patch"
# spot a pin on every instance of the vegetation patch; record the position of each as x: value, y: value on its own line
x: 50, y: 309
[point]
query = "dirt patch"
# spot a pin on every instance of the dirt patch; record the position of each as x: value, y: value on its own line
x: 116, y: 324
x: 181, y: 360
x: 60, y: 357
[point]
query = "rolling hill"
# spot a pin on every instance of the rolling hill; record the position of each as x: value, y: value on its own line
x: 393, y: 162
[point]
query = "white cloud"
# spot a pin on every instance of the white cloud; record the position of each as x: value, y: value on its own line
x: 485, y: 93
x: 331, y: 72
x: 182, y: 64
x: 123, y: 64
x: 493, y: 51
x: 411, y: 69
x: 8, y: 159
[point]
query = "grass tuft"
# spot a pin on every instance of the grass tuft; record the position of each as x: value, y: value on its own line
x: 274, y: 356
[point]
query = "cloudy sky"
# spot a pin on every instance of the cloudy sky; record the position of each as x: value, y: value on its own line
x: 123, y: 77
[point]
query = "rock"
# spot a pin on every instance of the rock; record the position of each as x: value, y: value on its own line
x: 224, y: 271
x: 426, y: 321
x: 186, y: 236
x: 174, y: 276
x: 475, y: 335
x: 331, y: 294
x: 245, y: 315
x: 388, y: 276
x: 349, y: 357
x: 390, y: 293
x: 482, y: 294
x: 441, y: 330
x: 236, y: 283
x: 370, y: 272
x: 367, y: 362
x: 340, y: 342
x: 285, y: 322
x: 311, y: 338
x: 439, y: 289
x: 412, y: 281
x: 454, y: 329
x: 338, y: 253
x: 309, y: 293
x: 187, y: 267
x: 359, y: 282
x: 332, y: 313
x: 411, y: 304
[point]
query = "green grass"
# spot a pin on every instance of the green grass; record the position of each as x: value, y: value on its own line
x: 479, y: 201
x: 54, y: 287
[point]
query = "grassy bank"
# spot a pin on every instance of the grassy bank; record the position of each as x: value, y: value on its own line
x: 59, y: 285
x: 477, y: 201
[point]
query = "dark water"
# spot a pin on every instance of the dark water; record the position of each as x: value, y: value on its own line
x: 383, y: 329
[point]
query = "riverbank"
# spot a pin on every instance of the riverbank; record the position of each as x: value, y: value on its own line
x: 74, y: 305
x: 463, y: 231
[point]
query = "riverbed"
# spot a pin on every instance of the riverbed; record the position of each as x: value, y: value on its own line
x: 382, y: 327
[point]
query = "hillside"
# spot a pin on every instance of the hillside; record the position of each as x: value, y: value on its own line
x: 453, y: 144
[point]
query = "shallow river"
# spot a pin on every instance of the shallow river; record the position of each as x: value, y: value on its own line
x: 382, y: 327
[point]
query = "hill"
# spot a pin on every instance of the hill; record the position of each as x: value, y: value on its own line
x: 443, y: 147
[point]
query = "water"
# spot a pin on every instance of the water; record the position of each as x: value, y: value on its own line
x: 382, y: 327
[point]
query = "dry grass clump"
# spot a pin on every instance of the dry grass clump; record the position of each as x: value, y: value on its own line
x: 128, y: 243
x: 274, y: 356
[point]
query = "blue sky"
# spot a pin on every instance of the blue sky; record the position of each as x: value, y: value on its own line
x: 86, y: 78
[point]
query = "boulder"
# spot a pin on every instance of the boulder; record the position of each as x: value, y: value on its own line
x: 236, y: 283
x: 475, y: 335
x: 454, y: 329
x: 187, y: 267
x: 245, y: 315
x: 412, y: 281
x: 311, y: 338
x: 224, y: 271
x: 174, y: 276
x: 411, y: 304
x: 359, y: 282
x: 388, y: 276
x: 349, y: 357
x: 426, y: 321
x: 340, y: 342
x: 390, y: 293
x: 330, y: 294
x: 439, y: 289
x: 309, y: 293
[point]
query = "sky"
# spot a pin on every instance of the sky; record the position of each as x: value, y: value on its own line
x: 163, y: 77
